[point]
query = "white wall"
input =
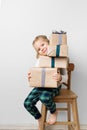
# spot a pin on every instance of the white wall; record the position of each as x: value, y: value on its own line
x: 20, y: 22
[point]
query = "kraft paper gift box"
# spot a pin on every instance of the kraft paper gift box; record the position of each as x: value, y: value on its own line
x: 51, y: 62
x: 43, y: 77
x: 58, y: 51
x: 57, y: 39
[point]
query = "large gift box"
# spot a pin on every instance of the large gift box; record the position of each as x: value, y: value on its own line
x: 51, y: 62
x: 58, y: 50
x: 43, y: 77
x: 57, y: 39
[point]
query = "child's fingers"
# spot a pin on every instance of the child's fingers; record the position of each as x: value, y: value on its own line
x: 29, y: 73
x: 58, y: 72
x: 29, y: 76
x: 55, y: 74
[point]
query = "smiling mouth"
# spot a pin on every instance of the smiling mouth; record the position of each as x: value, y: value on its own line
x: 44, y: 50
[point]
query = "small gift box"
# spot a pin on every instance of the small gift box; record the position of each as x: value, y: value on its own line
x: 51, y: 62
x: 58, y: 51
x: 57, y: 39
x: 43, y: 77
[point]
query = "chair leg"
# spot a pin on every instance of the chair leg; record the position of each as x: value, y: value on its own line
x: 75, y: 114
x: 69, y: 115
x: 43, y: 113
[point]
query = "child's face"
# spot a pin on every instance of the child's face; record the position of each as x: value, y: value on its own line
x: 41, y: 47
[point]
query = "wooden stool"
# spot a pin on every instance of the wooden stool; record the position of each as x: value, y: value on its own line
x: 70, y: 98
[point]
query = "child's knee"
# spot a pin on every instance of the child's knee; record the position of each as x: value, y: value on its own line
x: 45, y: 99
x: 26, y: 103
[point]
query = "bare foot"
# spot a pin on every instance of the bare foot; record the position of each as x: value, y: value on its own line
x: 52, y: 119
x: 39, y: 123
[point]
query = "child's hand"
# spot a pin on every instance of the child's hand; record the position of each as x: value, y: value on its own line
x: 29, y: 76
x: 57, y: 76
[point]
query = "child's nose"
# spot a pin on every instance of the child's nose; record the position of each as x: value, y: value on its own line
x: 41, y: 48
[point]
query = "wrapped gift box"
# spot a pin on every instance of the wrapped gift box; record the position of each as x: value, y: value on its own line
x: 43, y: 77
x: 57, y: 39
x: 58, y: 50
x: 51, y: 62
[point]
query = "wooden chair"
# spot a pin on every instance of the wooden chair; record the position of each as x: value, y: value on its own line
x: 70, y: 98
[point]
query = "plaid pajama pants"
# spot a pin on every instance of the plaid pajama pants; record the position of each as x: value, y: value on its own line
x: 45, y: 95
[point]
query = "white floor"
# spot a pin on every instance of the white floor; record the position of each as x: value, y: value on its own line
x: 32, y: 127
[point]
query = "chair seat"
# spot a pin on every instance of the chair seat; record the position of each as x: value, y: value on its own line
x: 65, y: 94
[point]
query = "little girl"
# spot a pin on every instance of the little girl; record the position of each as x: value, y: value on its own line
x: 45, y: 95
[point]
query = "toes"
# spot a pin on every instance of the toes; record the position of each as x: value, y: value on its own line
x: 51, y: 121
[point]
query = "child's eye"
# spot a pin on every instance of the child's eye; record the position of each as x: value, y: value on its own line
x: 39, y: 49
x: 43, y: 44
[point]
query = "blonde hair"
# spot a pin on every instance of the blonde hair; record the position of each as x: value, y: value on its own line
x: 43, y: 37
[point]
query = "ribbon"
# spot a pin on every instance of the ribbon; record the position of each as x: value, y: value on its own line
x: 52, y: 62
x: 43, y: 77
x: 57, y: 50
x: 60, y: 39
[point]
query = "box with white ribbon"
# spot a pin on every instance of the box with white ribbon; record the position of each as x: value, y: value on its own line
x: 58, y: 39
x: 43, y: 77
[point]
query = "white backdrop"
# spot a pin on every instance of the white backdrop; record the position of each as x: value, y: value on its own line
x: 20, y: 22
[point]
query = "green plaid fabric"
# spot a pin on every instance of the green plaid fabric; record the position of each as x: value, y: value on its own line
x: 45, y: 95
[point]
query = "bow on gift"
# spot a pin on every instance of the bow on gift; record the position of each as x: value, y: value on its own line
x: 60, y: 32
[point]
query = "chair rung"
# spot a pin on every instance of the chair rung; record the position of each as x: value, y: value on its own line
x: 62, y: 123
x: 61, y: 109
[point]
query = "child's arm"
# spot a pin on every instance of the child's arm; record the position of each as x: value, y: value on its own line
x: 60, y: 78
x: 29, y: 76
x: 57, y: 76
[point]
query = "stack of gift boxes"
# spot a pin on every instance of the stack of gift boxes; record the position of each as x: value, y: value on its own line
x: 56, y: 59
